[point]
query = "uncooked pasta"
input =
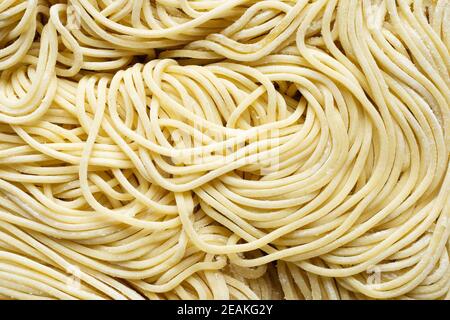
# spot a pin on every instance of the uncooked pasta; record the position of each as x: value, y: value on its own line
x: 230, y: 149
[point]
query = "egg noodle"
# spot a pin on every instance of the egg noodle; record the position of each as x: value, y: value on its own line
x: 230, y: 149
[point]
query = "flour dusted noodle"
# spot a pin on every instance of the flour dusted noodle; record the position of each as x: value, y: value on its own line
x: 224, y: 149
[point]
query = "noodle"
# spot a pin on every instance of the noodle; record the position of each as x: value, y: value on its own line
x: 224, y: 149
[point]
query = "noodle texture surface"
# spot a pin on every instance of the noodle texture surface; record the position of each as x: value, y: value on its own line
x: 224, y: 149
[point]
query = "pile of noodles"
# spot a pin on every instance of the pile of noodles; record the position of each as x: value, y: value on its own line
x: 231, y: 149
